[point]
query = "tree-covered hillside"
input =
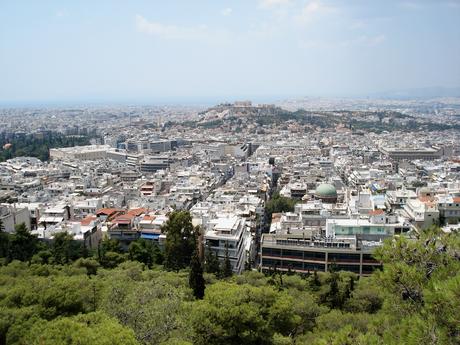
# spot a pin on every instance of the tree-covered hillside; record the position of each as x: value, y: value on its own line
x: 111, y: 298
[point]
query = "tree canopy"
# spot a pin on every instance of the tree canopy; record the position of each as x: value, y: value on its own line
x: 415, y: 299
x: 180, y: 241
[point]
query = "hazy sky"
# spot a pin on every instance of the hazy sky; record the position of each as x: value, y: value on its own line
x: 188, y: 50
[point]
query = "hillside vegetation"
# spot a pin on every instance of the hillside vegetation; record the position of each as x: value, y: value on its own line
x: 111, y: 298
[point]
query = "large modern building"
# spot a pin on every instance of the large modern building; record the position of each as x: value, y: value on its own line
x: 152, y: 164
x: 89, y: 152
x: 346, y: 243
x: 302, y: 254
x: 426, y: 153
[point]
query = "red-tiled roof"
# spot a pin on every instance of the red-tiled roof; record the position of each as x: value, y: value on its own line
x: 108, y: 211
x: 376, y: 212
x: 87, y: 220
x: 426, y: 199
x: 124, y: 218
x: 137, y: 211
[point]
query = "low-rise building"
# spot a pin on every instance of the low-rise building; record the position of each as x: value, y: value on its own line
x: 423, y: 213
x: 11, y: 215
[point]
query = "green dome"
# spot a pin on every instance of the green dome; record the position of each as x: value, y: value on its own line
x: 326, y: 190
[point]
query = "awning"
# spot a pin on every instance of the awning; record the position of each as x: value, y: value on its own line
x: 150, y: 236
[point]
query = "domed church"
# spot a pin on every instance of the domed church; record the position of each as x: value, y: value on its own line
x: 326, y: 193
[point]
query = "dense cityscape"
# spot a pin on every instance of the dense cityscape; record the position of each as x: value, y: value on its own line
x: 234, y: 172
x: 263, y: 188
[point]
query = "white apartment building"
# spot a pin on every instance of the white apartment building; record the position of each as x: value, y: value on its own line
x: 11, y: 215
x: 396, y: 199
x: 53, y: 216
x: 82, y: 208
x: 449, y: 208
x: 377, y: 227
x: 422, y: 214
x: 230, y: 233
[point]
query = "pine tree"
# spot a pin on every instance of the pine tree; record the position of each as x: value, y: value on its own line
x: 226, y: 270
x: 181, y: 239
x: 333, y: 297
x: 23, y: 245
x: 211, y: 263
x: 4, y: 241
x: 349, y: 289
x: 196, y: 280
x: 315, y: 283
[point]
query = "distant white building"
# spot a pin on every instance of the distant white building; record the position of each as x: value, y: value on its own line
x: 83, y: 208
x: 89, y: 152
x: 11, y: 215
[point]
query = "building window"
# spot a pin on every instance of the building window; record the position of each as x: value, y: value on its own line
x: 368, y: 269
x: 314, y: 267
x: 343, y: 257
x: 271, y: 251
x: 292, y: 253
x: 350, y: 268
x: 317, y: 256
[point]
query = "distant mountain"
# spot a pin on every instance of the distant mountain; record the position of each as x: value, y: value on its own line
x: 419, y: 93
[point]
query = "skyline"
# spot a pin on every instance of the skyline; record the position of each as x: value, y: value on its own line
x: 207, y: 51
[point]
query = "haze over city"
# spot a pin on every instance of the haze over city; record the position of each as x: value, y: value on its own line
x: 208, y: 51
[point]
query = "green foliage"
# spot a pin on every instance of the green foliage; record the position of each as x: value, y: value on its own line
x: 22, y: 245
x: 44, y: 256
x: 180, y: 241
x: 211, y: 262
x: 244, y: 314
x: 226, y: 268
x: 110, y: 245
x: 110, y: 253
x: 233, y: 315
x: 414, y: 300
x: 90, y: 265
x: 88, y: 329
x: 4, y: 244
x: 333, y: 296
x: 64, y: 249
x: 279, y: 204
x: 146, y: 252
x: 253, y: 278
x: 112, y: 259
x: 33, y: 146
x: 367, y: 297
x: 315, y: 283
x: 196, y: 280
x: 412, y: 266
x: 151, y: 306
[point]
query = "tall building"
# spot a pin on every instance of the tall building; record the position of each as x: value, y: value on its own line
x: 232, y: 235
